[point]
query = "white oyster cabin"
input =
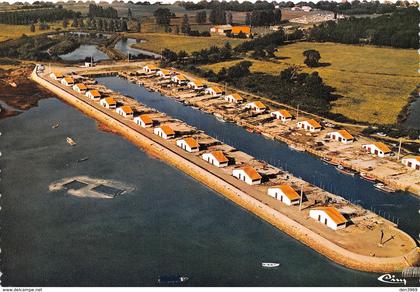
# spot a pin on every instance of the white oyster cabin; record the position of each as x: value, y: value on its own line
x: 196, y: 85
x: 329, y: 216
x: 412, y: 162
x: 217, y: 158
x: 285, y: 194
x: 164, y: 131
x: 125, y: 111
x: 257, y: 106
x: 67, y: 81
x: 56, y: 75
x: 282, y: 115
x: 248, y: 175
x: 341, y: 136
x: 149, y: 69
x: 180, y: 79
x: 144, y: 121
x: 188, y: 144
x: 165, y: 74
x: 310, y: 125
x: 234, y: 98
x: 108, y: 102
x: 94, y: 94
x: 214, y: 91
x: 378, y: 148
x: 80, y: 88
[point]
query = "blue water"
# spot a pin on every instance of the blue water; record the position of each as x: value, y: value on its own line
x: 170, y: 224
x: 85, y: 51
x: 401, y: 207
x: 124, y: 45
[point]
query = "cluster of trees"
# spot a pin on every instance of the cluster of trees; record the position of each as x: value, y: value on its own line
x: 273, y: 39
x: 357, y: 7
x: 217, y: 16
x: 263, y: 17
x: 99, y: 11
x: 36, y: 15
x: 398, y: 30
x: 312, y: 58
x: 163, y: 16
x: 27, y: 48
x: 101, y: 24
x: 201, y: 17
x: 228, y: 5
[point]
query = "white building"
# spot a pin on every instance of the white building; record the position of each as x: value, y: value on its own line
x: 144, y: 120
x: 214, y: 91
x: 217, y: 158
x: 285, y: 194
x: 149, y: 69
x: 67, y: 81
x: 248, y: 175
x: 256, y: 106
x: 234, y: 98
x: 56, y: 75
x: 310, y: 125
x: 282, y: 115
x: 329, y: 216
x: 80, y: 88
x: 163, y: 73
x: 94, y: 94
x: 412, y: 162
x: 125, y: 111
x: 306, y: 8
x: 378, y: 148
x: 164, y: 131
x: 196, y: 85
x: 221, y: 29
x: 108, y: 102
x: 179, y: 79
x: 188, y: 144
x: 341, y: 136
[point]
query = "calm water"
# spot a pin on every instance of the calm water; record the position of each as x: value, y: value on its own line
x: 170, y: 224
x: 400, y: 207
x: 85, y: 51
x: 124, y: 45
x: 413, y: 119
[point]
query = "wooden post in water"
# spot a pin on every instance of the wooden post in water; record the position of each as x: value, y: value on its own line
x: 301, y: 198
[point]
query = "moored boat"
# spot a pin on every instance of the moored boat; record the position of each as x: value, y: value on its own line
x: 55, y: 125
x: 172, y: 279
x: 384, y: 188
x: 250, y: 130
x: 270, y: 265
x: 327, y: 160
x: 367, y: 177
x: 70, y: 141
x: 346, y: 170
x: 296, y: 148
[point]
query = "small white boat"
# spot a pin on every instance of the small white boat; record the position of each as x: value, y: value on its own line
x: 70, y: 141
x: 220, y: 120
x: 384, y: 188
x: 270, y: 265
x: 55, y: 125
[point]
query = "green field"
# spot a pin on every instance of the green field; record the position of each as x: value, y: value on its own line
x: 156, y: 42
x: 9, y: 31
x: 375, y: 82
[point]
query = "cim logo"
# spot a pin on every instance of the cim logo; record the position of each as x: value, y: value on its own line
x: 390, y: 279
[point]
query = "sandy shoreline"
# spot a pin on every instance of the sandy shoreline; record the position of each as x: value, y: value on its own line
x: 277, y: 219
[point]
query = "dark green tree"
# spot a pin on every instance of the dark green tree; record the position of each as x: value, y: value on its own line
x: 312, y: 58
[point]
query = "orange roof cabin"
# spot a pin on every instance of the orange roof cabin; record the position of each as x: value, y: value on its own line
x: 412, y: 162
x: 80, y: 88
x: 285, y: 194
x: 378, y: 148
x: 188, y: 144
x: 244, y: 29
x: 234, y: 98
x: 125, y: 111
x: 164, y: 131
x: 217, y: 158
x: 93, y: 94
x: 195, y: 84
x: 179, y: 79
x: 163, y: 73
x: 309, y: 125
x: 341, y: 136
x: 150, y: 69
x: 67, y: 81
x: 214, y: 91
x: 144, y: 120
x: 282, y: 115
x: 248, y: 175
x: 329, y: 216
x: 56, y: 75
x: 257, y: 106
x: 108, y: 102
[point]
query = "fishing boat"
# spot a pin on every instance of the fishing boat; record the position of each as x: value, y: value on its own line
x: 172, y: 279
x: 345, y: 170
x: 327, y: 160
x: 384, y: 188
x: 221, y: 120
x: 270, y: 265
x: 250, y: 130
x: 296, y: 148
x: 55, y: 126
x: 367, y: 177
x: 70, y: 141
x: 82, y: 159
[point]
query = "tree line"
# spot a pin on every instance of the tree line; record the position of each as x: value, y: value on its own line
x: 230, y: 5
x: 36, y: 15
x: 99, y: 11
x: 398, y: 30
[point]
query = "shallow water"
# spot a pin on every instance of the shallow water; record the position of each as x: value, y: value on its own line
x: 124, y: 45
x: 170, y: 224
x: 401, y: 207
x: 85, y: 51
x: 413, y: 119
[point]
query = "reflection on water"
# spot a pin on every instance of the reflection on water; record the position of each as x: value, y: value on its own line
x: 85, y: 51
x: 170, y: 224
x: 400, y: 207
x: 124, y: 45
x: 413, y: 119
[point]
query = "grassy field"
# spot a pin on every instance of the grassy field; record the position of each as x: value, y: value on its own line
x: 8, y: 31
x: 375, y: 82
x: 156, y: 42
